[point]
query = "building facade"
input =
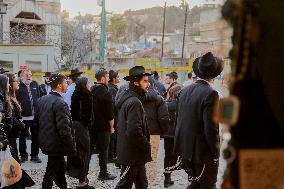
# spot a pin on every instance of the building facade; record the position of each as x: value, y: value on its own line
x: 31, y: 35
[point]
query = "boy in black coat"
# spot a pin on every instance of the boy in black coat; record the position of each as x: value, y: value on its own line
x: 133, y: 139
x: 197, y: 135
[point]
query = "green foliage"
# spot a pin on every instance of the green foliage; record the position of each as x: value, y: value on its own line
x: 117, y: 27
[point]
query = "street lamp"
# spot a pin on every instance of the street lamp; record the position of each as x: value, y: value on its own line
x: 3, y: 10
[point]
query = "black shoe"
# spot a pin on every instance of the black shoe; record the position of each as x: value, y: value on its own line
x: 24, y: 159
x: 106, y: 176
x: 36, y: 159
x: 168, y: 181
x: 118, y: 165
x: 85, y: 187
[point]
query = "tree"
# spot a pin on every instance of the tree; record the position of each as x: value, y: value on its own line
x: 117, y: 27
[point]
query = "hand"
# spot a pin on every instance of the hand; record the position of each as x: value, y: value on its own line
x: 216, y: 160
x: 112, y: 130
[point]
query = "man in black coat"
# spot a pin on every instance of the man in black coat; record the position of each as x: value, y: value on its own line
x: 197, y: 135
x: 56, y: 135
x: 27, y: 96
x: 113, y: 83
x: 45, y: 89
x: 103, y: 120
x: 133, y: 139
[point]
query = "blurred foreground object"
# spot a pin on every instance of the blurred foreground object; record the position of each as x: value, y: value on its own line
x: 258, y: 83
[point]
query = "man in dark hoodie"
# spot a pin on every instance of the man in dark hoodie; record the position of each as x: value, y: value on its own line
x: 103, y: 120
x: 133, y: 139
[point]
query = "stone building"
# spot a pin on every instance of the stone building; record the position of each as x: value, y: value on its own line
x: 31, y: 35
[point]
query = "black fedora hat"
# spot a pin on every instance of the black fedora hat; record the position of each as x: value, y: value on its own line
x: 47, y: 74
x: 207, y: 66
x: 136, y: 72
x: 75, y: 73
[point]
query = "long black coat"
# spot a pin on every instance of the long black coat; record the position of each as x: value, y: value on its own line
x: 197, y: 136
x: 54, y: 124
x: 156, y: 112
x: 133, y: 140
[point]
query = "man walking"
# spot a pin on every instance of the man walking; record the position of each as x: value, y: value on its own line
x: 103, y: 120
x: 133, y: 140
x: 56, y: 136
x: 197, y: 135
x: 27, y: 96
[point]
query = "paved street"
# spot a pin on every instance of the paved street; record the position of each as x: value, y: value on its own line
x: 36, y: 171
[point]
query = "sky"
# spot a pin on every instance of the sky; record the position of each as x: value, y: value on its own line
x: 117, y: 6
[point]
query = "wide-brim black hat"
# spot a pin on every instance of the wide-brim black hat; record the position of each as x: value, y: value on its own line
x: 207, y: 66
x: 75, y: 73
x: 47, y: 74
x: 136, y: 72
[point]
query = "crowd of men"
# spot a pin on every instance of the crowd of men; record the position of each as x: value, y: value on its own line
x: 70, y: 116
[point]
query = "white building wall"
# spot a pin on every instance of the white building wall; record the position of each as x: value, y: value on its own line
x: 37, y: 58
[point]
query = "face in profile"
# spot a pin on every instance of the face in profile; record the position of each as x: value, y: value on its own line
x: 117, y: 79
x: 63, y: 86
x: 143, y: 83
x: 168, y: 80
x: 15, y: 83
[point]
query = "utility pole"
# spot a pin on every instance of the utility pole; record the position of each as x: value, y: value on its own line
x: 184, y: 30
x: 164, y: 24
x: 103, y: 32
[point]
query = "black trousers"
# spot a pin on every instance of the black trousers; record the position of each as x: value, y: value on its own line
x: 23, y: 140
x: 133, y: 174
x: 102, y: 141
x: 170, y: 158
x: 55, y: 171
x: 14, y: 149
x: 208, y: 178
x: 112, y: 146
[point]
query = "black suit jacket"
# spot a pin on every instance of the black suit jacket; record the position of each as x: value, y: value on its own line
x: 197, y: 136
x: 24, y: 99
